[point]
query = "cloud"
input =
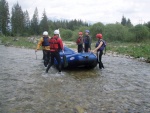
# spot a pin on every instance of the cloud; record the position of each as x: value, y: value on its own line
x: 106, y: 11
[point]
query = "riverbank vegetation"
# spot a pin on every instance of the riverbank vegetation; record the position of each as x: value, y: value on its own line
x: 121, y: 37
x: 136, y: 50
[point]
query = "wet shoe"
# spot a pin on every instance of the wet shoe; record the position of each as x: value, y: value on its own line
x: 45, y: 65
x: 100, y: 67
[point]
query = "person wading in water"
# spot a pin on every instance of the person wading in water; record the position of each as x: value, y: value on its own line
x: 87, y: 41
x: 100, y: 45
x: 44, y: 42
x: 56, y: 45
x: 79, y: 42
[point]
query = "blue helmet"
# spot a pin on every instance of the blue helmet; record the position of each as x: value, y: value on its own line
x: 87, y: 31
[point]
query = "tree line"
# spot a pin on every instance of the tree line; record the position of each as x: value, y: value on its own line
x: 20, y: 24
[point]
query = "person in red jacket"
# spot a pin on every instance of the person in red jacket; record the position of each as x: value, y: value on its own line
x: 79, y: 42
x: 56, y: 45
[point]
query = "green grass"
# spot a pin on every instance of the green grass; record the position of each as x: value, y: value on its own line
x: 20, y: 42
x: 136, y: 50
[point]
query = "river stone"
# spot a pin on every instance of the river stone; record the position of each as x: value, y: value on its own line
x: 148, y: 60
x: 79, y: 109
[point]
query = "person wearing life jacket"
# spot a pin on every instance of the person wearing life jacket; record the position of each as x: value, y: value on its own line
x: 99, y: 47
x: 87, y: 41
x: 79, y: 42
x: 44, y: 42
x: 56, y: 45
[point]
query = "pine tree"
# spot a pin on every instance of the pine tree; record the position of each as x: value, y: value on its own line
x: 17, y: 20
x: 129, y: 24
x: 4, y: 17
x: 35, y: 23
x: 124, y: 21
x: 26, y: 22
x: 44, y: 23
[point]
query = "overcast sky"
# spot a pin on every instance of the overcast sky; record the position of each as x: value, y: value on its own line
x: 105, y: 11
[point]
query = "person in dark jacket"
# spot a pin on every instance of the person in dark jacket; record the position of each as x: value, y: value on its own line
x: 87, y: 41
x: 100, y: 45
x: 56, y: 45
x: 79, y: 42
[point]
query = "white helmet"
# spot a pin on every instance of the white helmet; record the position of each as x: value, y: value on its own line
x: 45, y: 33
x: 56, y: 32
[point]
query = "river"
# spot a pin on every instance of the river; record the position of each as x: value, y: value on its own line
x: 122, y: 87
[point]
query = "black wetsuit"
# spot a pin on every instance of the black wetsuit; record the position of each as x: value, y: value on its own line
x: 80, y: 44
x: 87, y: 43
x: 46, y: 53
x: 99, y: 55
x: 46, y: 57
x: 55, y: 55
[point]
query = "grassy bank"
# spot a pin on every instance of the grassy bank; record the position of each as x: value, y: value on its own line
x: 17, y: 42
x: 136, y: 50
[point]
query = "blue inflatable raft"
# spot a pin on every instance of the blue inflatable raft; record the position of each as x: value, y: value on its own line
x: 74, y: 59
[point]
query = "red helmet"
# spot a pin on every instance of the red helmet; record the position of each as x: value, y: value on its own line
x: 80, y: 33
x: 99, y: 36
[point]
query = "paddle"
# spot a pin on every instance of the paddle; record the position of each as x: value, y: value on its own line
x: 36, y: 55
x: 65, y: 62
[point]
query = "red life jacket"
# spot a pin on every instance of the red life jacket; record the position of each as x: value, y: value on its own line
x: 79, y: 40
x: 54, y: 44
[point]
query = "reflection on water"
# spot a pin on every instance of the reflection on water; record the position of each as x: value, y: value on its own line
x: 123, y: 86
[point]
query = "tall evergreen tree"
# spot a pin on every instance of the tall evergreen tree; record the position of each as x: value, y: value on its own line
x: 44, y: 23
x: 26, y: 21
x: 17, y: 20
x: 124, y: 21
x: 35, y: 23
x: 129, y: 24
x: 4, y: 17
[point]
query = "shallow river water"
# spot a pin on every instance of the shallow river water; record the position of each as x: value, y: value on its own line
x: 122, y: 87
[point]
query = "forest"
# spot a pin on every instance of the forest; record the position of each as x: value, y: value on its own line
x: 20, y: 24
